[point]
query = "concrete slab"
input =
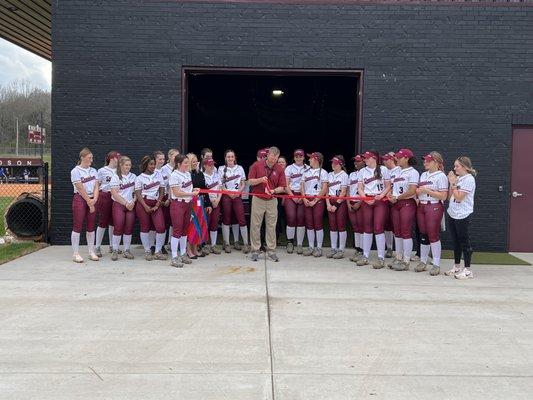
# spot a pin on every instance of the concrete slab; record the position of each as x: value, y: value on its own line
x: 142, y: 330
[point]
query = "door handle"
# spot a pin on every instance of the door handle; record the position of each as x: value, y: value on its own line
x: 516, y: 194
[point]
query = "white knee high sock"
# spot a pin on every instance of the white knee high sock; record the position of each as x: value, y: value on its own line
x: 116, y: 242
x: 407, y: 249
x: 380, y: 244
x: 183, y: 245
x: 367, y: 244
x: 290, y: 232
x: 225, y: 233
x: 319, y: 238
x: 300, y: 234
x: 311, y: 238
x: 333, y: 236
x: 342, y: 240
x: 152, y: 238
x: 235, y: 230
x: 213, y: 235
x: 99, y: 236
x: 145, y: 240
x: 159, y: 241
x: 424, y: 252
x: 436, y: 250
x: 244, y: 234
x: 75, y: 242
x: 111, y: 230
x: 389, y: 239
x: 90, y: 241
x: 126, y: 242
x: 357, y: 240
x: 398, y: 243
x: 174, y: 246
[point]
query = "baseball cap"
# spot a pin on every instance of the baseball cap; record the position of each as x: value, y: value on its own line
x: 369, y: 154
x: 428, y: 157
x: 358, y: 158
x: 337, y: 160
x: 388, y: 156
x: 209, y: 161
x: 407, y: 153
x: 316, y: 155
x: 113, y: 154
x: 299, y: 152
x: 262, y: 153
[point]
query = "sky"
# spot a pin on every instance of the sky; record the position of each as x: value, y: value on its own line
x: 17, y: 63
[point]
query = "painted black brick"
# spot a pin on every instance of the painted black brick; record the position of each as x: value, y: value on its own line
x: 448, y: 77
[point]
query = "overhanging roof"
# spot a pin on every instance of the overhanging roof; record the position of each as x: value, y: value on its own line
x: 28, y: 24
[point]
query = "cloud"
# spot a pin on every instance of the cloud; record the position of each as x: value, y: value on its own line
x: 17, y: 63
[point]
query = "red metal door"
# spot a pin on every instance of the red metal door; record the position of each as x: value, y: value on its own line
x: 521, y: 204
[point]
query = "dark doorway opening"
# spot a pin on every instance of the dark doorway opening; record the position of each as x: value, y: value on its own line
x: 249, y: 109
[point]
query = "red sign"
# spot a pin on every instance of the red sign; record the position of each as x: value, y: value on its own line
x: 36, y: 134
x: 20, y: 162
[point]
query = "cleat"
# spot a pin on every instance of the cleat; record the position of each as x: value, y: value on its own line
x: 185, y: 259
x: 379, y: 263
x: 148, y: 255
x: 160, y: 256
x: 299, y: 249
x: 246, y: 248
x: 435, y: 270
x: 77, y: 258
x: 273, y: 257
x: 465, y: 273
x: 362, y: 261
x: 176, y: 263
x: 455, y: 270
x: 127, y: 254
x: 331, y: 253
x: 227, y: 248
x: 114, y: 255
x: 389, y: 253
x: 98, y: 252
x: 317, y: 252
x: 420, y: 267
x: 290, y: 248
x: 338, y: 254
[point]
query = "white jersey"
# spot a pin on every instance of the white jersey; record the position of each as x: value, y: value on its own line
x: 125, y: 186
x: 394, y: 172
x: 231, y: 180
x: 336, y: 182
x: 87, y: 176
x: 212, y: 182
x: 313, y: 180
x: 104, y: 178
x: 402, y: 180
x: 182, y: 181
x: 149, y: 185
x: 371, y: 185
x: 166, y: 171
x: 353, y: 181
x: 294, y: 173
x: 436, y: 181
x: 461, y: 210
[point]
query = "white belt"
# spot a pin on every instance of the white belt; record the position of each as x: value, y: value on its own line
x: 429, y: 201
x: 182, y: 200
x: 150, y: 198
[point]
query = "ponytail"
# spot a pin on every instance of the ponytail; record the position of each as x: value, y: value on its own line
x: 467, y: 164
x: 83, y: 153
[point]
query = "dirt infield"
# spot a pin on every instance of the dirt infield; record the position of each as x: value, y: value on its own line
x: 16, y: 189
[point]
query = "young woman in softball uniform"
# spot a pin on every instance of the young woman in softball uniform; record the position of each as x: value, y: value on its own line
x: 166, y: 170
x: 460, y: 208
x: 389, y: 161
x: 149, y: 192
x: 213, y: 182
x: 294, y: 208
x: 337, y: 208
x: 104, y: 207
x: 403, y: 210
x: 354, y: 208
x: 432, y: 191
x: 374, y: 182
x: 233, y: 178
x: 314, y: 183
x: 84, y: 178
x: 181, y: 194
x: 122, y: 192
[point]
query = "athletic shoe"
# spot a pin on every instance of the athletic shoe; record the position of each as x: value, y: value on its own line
x: 299, y: 249
x: 114, y: 255
x: 362, y: 261
x: 338, y: 254
x: 465, y: 273
x: 148, y: 255
x: 93, y: 257
x: 392, y: 263
x: 160, y: 256
x: 434, y: 271
x: 356, y: 256
x: 246, y: 248
x: 77, y: 258
x: 255, y: 256
x: 127, y: 254
x: 308, y: 252
x: 215, y: 250
x: 388, y: 253
x: 167, y: 248
x: 420, y: 267
x: 453, y: 271
x: 402, y: 266
x: 331, y: 253
x: 185, y: 259
x: 152, y: 249
x: 176, y: 263
x: 317, y: 252
x: 98, y: 252
x: 163, y: 250
x: 273, y: 256
x: 237, y: 246
x: 379, y: 263
x: 415, y: 258
x: 208, y: 248
x: 227, y: 248
x: 290, y: 248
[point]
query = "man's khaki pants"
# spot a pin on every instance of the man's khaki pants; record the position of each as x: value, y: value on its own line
x: 269, y: 210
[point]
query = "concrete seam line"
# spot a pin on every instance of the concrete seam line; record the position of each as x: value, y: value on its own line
x: 269, y: 329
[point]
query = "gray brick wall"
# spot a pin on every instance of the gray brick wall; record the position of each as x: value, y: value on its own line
x: 441, y: 77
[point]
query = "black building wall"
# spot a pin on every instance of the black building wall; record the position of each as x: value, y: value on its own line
x: 445, y: 77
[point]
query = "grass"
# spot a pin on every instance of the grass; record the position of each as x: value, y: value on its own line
x: 4, y: 202
x: 489, y: 258
x: 12, y: 251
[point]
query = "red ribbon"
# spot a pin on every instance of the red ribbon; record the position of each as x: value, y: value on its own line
x: 290, y: 196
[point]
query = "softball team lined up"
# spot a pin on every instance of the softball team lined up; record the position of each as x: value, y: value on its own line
x: 166, y: 200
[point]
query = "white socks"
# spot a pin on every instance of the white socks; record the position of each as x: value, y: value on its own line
x: 90, y: 241
x: 126, y: 242
x: 159, y: 241
x: 389, y: 238
x: 380, y: 244
x: 367, y: 244
x: 235, y: 230
x: 145, y: 240
x: 174, y: 246
x: 116, y: 242
x: 319, y: 238
x: 111, y: 231
x: 424, y: 252
x: 357, y: 240
x: 75, y: 242
x: 333, y: 235
x: 225, y: 233
x: 436, y: 252
x: 100, y: 236
x: 300, y: 234
x: 213, y: 235
x: 407, y: 249
x: 342, y: 240
x: 311, y: 238
x: 183, y: 245
x: 244, y: 234
x: 291, y: 230
x: 398, y: 243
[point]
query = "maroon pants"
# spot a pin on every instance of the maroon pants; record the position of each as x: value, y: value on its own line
x: 403, y: 214
x: 294, y: 213
x: 148, y: 220
x: 337, y: 219
x: 180, y: 213
x: 214, y: 218
x: 104, y: 206
x: 123, y: 219
x: 428, y: 217
x: 356, y: 219
x: 314, y: 216
x: 374, y: 216
x: 166, y: 213
x: 80, y: 213
x: 232, y: 207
